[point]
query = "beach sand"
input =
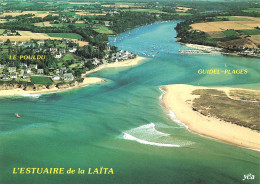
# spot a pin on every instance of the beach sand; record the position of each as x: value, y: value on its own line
x: 126, y: 63
x: 178, y: 98
x: 87, y: 80
x: 210, y: 49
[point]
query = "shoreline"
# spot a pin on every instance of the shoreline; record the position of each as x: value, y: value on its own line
x: 126, y: 63
x: 215, y: 50
x: 178, y: 99
x: 87, y: 80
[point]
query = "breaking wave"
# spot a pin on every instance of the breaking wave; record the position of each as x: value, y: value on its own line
x: 147, y: 134
x: 31, y: 95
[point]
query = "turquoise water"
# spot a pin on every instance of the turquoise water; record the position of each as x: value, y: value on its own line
x: 121, y: 125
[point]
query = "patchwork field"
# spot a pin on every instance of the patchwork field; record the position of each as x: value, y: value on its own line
x: 145, y: 10
x: 82, y: 43
x: 79, y: 22
x: 67, y: 24
x: 2, y: 21
x: 235, y: 18
x: 103, y: 30
x: 240, y: 31
x: 252, y: 10
x: 29, y: 33
x: 224, y: 25
x: 255, y: 39
x: 246, y: 42
x: 182, y: 9
x: 36, y: 13
x: 43, y: 24
x: 216, y: 34
x: 2, y: 31
x: 65, y: 35
x: 87, y: 13
x: 82, y: 3
x: 25, y: 38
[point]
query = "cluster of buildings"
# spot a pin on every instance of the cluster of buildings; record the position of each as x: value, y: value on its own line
x: 25, y: 71
x: 38, y: 46
x: 122, y: 55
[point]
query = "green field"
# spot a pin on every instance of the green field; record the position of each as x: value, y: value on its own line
x: 183, y: 14
x: 252, y: 10
x: 67, y: 24
x: 2, y: 31
x: 145, y: 10
x: 41, y: 11
x: 41, y: 80
x: 67, y: 57
x: 65, y: 35
x: 230, y: 33
x: 57, y: 25
x: 233, y: 18
x: 103, y: 30
x: 250, y: 32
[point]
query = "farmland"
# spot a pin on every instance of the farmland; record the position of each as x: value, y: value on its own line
x: 103, y: 30
x: 229, y: 33
x: 235, y: 18
x: 29, y: 33
x: 144, y: 10
x: 36, y: 14
x: 2, y: 21
x: 68, y: 24
x: 252, y: 10
x: 182, y: 9
x: 43, y: 24
x: 65, y: 35
x: 250, y: 32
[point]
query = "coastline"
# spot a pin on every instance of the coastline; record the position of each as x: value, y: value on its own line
x: 178, y: 98
x: 18, y: 91
x: 87, y: 80
x: 215, y: 50
x: 126, y: 63
x: 210, y: 49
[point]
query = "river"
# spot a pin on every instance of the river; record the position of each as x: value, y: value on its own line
x: 121, y: 124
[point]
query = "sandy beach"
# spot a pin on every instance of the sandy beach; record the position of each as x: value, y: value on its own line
x: 87, y: 80
x: 212, y: 50
x: 126, y: 63
x: 178, y: 98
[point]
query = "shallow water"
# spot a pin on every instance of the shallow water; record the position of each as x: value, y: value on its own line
x: 120, y: 124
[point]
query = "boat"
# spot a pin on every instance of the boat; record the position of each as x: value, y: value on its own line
x: 17, y: 115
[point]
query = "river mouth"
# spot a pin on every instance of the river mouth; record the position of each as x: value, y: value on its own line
x: 120, y: 124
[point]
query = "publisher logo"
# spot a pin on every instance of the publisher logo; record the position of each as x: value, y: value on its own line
x: 248, y: 177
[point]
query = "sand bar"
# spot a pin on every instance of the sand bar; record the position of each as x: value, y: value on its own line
x: 178, y: 99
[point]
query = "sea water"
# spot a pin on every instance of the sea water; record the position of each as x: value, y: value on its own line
x: 121, y: 124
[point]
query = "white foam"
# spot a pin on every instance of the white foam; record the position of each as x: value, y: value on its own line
x: 130, y: 137
x: 171, y: 113
x: 174, y: 118
x: 31, y: 95
x: 147, y: 134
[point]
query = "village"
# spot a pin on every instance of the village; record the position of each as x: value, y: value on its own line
x: 52, y: 61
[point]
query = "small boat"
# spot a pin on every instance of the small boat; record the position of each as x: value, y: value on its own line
x: 17, y: 115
